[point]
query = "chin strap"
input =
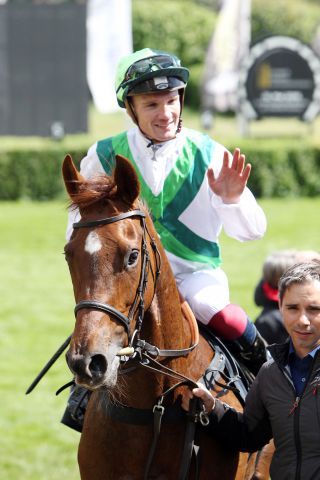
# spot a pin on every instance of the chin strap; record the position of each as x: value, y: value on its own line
x: 179, y: 125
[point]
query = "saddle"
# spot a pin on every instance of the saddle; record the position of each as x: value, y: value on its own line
x: 226, y: 362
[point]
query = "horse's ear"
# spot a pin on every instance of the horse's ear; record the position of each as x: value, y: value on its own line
x: 71, y: 176
x: 128, y: 186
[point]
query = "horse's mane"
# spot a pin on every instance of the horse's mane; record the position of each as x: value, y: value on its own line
x: 96, y: 189
x: 100, y: 187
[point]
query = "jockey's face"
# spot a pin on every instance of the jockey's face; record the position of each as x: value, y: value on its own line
x: 157, y: 114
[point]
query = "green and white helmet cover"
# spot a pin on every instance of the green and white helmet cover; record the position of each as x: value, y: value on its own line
x: 162, y: 69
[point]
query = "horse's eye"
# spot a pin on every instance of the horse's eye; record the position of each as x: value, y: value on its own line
x: 133, y: 258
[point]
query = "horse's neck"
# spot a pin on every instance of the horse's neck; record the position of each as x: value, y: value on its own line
x: 164, y: 327
x: 165, y: 311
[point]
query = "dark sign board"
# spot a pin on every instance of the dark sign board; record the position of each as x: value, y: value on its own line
x: 43, y: 86
x: 281, y: 77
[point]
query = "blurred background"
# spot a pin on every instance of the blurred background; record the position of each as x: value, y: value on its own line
x: 57, y: 67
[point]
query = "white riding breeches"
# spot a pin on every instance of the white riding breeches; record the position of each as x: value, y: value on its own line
x: 206, y: 291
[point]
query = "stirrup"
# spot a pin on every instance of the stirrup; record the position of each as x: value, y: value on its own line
x: 255, y: 355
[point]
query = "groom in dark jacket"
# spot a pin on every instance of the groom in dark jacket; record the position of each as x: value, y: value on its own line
x: 284, y: 400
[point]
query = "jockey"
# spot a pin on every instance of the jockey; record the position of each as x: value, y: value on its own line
x: 193, y: 187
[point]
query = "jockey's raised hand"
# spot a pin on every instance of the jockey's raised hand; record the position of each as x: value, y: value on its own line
x: 232, y: 179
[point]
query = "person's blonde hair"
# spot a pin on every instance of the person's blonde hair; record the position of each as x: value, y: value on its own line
x: 276, y: 264
x: 279, y: 261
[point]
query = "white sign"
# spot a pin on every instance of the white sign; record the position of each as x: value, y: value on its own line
x: 109, y: 37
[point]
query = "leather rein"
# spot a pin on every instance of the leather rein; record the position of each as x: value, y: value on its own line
x: 146, y: 356
x: 138, y: 303
x: 143, y: 353
x: 146, y: 353
x: 136, y: 345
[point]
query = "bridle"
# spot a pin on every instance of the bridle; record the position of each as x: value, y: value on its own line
x: 145, y: 352
x: 136, y: 345
x: 138, y: 305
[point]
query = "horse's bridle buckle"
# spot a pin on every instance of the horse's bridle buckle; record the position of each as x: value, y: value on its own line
x: 158, y: 408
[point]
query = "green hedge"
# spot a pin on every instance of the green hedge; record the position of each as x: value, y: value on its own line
x: 185, y: 27
x: 33, y: 174
x: 180, y: 27
x: 296, y: 18
x: 279, y: 169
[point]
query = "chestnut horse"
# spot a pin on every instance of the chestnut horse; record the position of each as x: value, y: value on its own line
x: 131, y: 345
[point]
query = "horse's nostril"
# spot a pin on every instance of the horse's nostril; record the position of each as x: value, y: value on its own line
x: 98, y: 365
x: 77, y: 364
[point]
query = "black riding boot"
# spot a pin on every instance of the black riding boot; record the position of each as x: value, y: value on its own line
x: 253, y: 356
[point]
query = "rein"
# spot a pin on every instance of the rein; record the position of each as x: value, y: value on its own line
x: 143, y: 350
x: 136, y: 345
x: 138, y: 303
x: 142, y: 353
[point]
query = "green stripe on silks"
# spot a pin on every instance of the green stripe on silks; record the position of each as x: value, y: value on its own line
x: 173, y: 245
x: 106, y: 155
x: 176, y: 237
x: 108, y: 148
x: 180, y: 187
x: 175, y: 179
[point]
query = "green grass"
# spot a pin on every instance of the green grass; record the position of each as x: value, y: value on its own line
x: 292, y: 223
x: 37, y: 316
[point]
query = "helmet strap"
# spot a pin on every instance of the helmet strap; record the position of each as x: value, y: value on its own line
x: 130, y: 111
x: 133, y: 116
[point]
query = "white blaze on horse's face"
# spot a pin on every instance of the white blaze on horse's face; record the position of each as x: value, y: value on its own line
x: 93, y: 243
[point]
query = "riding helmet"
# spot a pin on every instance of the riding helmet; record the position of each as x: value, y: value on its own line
x: 147, y: 71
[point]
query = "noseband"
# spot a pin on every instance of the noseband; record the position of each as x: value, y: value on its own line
x: 138, y: 303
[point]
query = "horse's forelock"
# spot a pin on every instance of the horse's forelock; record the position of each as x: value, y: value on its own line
x: 93, y: 190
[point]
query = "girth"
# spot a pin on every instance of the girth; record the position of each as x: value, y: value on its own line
x: 222, y: 365
x: 141, y: 416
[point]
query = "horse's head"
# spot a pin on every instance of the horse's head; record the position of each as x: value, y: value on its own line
x: 108, y: 257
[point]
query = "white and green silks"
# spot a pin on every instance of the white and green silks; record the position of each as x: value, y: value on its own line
x: 187, y: 215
